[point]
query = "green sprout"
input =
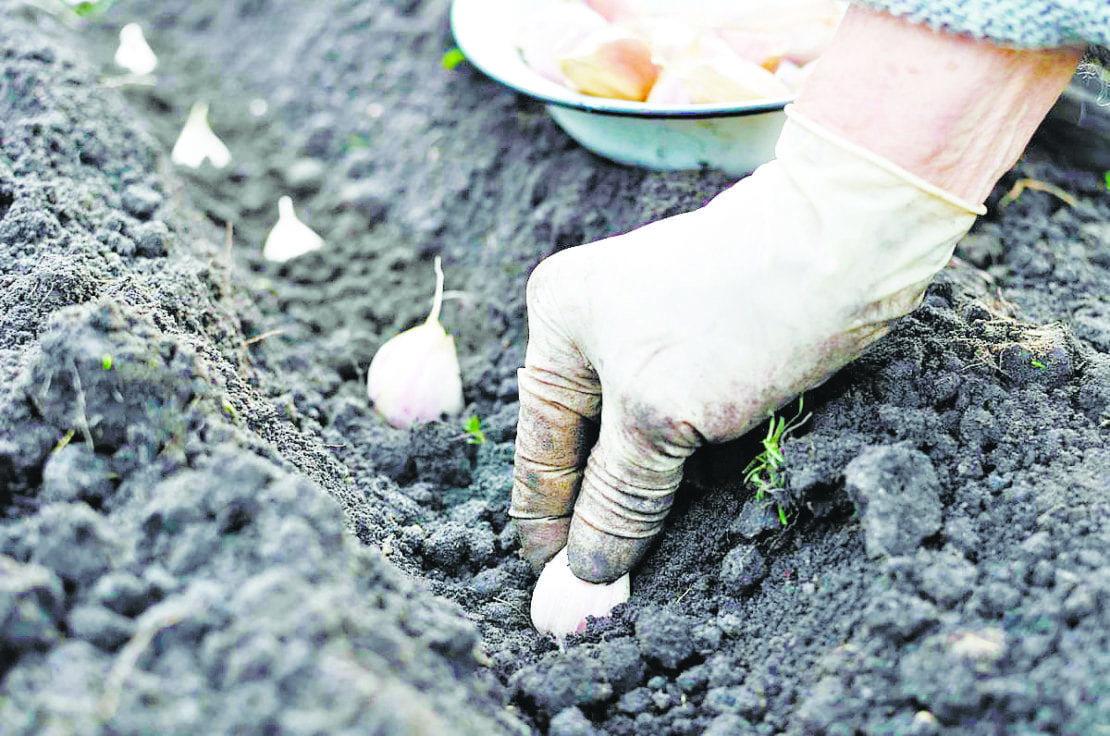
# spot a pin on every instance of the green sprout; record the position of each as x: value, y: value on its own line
x: 473, y: 427
x: 85, y: 9
x: 354, y: 140
x: 1106, y: 179
x: 766, y: 472
x: 107, y: 362
x: 452, y: 58
x: 1038, y: 364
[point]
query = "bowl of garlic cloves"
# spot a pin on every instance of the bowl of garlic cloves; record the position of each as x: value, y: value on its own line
x: 661, y: 84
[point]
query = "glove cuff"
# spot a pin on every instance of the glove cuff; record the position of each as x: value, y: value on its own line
x: 889, y: 166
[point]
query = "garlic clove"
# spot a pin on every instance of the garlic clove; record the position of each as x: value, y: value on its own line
x: 611, y: 62
x: 197, y: 142
x: 766, y: 51
x: 134, y: 54
x: 667, y: 38
x: 800, y: 28
x: 614, y: 11
x: 414, y: 377
x: 706, y: 13
x: 792, y: 75
x: 561, y: 601
x: 289, y: 237
x: 711, y: 72
x: 552, y: 32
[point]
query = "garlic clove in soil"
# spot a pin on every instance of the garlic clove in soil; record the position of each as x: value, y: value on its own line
x: 197, y: 142
x: 611, y: 62
x: 562, y: 601
x: 414, y: 377
x: 134, y: 54
x: 289, y: 237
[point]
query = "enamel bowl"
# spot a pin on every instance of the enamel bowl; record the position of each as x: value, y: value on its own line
x: 735, y: 138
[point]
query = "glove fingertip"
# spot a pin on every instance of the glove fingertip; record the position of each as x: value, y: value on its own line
x: 540, y: 539
x: 598, y: 557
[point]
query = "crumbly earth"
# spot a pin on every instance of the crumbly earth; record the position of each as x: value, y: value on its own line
x: 204, y: 528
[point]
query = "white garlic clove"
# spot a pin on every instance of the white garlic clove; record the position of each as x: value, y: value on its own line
x: 711, y: 72
x: 611, y: 62
x: 792, y: 75
x: 801, y: 28
x: 289, y: 237
x: 414, y: 377
x: 617, y: 11
x: 765, y: 50
x: 667, y: 38
x: 706, y: 13
x: 134, y: 54
x: 552, y: 32
x: 197, y: 142
x: 561, y: 601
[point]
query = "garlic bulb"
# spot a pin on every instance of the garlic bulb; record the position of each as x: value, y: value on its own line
x: 414, y: 377
x: 289, y: 237
x: 197, y: 142
x: 561, y: 601
x: 134, y: 54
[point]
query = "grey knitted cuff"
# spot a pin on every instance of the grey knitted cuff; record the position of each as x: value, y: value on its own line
x: 1025, y: 23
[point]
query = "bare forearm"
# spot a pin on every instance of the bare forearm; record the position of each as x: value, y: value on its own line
x: 955, y: 111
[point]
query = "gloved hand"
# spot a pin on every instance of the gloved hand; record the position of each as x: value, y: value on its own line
x: 691, y: 329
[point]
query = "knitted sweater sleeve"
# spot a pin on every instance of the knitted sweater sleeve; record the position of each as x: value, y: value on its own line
x: 1025, y: 23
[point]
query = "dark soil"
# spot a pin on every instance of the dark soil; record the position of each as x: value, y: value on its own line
x: 206, y: 529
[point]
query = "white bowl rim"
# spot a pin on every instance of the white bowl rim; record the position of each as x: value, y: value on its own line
x: 485, y: 32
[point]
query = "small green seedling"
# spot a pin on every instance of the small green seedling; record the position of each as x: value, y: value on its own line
x: 766, y: 470
x: 452, y: 58
x: 473, y: 427
x: 1039, y: 364
x: 86, y: 9
x: 107, y: 362
x: 354, y: 140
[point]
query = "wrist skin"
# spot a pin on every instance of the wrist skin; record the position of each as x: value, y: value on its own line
x: 955, y: 111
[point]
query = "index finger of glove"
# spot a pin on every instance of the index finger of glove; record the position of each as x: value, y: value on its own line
x: 560, y: 402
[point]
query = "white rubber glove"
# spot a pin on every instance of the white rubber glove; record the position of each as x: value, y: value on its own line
x: 693, y: 328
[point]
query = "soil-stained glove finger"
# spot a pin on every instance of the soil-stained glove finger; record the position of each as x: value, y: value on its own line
x: 627, y: 490
x: 552, y: 443
x: 560, y: 400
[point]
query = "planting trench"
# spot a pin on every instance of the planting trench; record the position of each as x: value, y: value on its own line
x: 207, y: 530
